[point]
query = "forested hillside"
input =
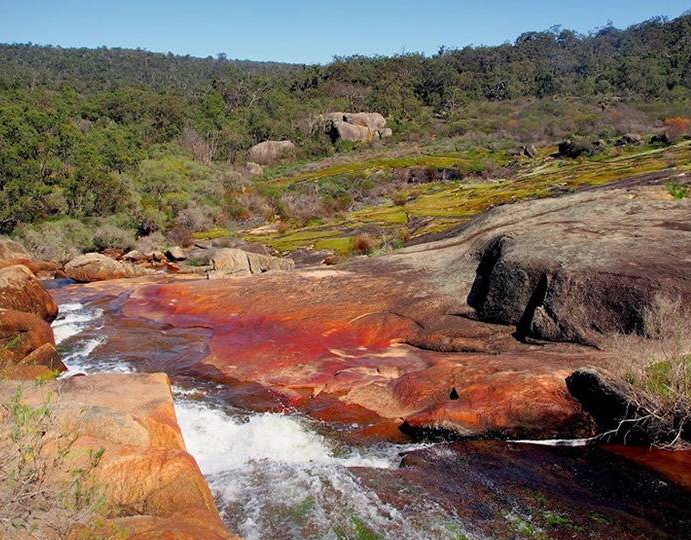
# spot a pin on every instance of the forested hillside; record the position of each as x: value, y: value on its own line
x: 146, y: 142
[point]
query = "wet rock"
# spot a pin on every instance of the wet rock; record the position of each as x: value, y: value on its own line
x: 497, y: 488
x: 98, y: 267
x: 271, y: 152
x: 232, y: 262
x: 20, y: 290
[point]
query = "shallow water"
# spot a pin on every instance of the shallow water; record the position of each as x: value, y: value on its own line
x: 275, y: 476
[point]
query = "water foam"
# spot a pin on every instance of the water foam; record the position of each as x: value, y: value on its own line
x: 275, y: 474
x: 73, y: 319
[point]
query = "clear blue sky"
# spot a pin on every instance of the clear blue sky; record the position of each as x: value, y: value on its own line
x: 306, y: 30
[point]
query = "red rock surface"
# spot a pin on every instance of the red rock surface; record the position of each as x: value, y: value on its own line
x: 341, y: 336
x: 676, y: 465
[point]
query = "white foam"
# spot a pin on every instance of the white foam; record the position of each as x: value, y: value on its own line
x: 557, y: 442
x: 263, y: 467
x: 72, y: 320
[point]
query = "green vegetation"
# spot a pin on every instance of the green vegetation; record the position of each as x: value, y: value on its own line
x: 360, y: 531
x: 678, y: 191
x: 101, y: 148
x: 32, y: 447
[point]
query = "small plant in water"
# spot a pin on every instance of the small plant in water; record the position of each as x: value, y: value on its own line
x: 678, y: 191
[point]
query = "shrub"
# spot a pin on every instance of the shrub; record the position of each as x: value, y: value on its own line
x: 302, y: 206
x: 678, y: 191
x: 363, y: 244
x: 180, y: 236
x: 677, y: 127
x: 195, y: 218
x: 152, y: 242
x: 59, y: 240
x: 113, y: 237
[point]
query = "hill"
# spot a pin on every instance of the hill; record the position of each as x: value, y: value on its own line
x: 141, y: 143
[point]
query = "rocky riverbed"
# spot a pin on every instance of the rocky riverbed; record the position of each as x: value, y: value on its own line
x: 417, y: 395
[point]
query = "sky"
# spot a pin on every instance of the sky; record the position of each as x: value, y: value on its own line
x: 307, y: 31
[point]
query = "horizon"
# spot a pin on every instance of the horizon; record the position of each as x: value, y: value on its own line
x: 173, y: 28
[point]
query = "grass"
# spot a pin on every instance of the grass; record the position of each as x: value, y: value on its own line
x: 443, y: 205
x: 678, y: 191
x: 358, y: 531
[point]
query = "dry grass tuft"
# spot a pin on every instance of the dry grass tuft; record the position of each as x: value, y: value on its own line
x: 363, y: 244
x: 657, y: 368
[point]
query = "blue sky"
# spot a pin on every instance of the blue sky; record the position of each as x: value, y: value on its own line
x: 306, y: 30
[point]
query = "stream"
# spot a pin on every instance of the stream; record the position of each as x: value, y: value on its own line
x: 275, y: 475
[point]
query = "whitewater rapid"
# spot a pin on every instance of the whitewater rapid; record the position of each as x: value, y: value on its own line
x: 274, y: 476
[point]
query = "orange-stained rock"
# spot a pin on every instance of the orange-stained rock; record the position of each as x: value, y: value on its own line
x: 189, y: 525
x: 39, y: 268
x: 147, y: 477
x: 674, y: 464
x: 21, y: 291
x: 152, y: 481
x: 27, y: 347
x: 342, y: 334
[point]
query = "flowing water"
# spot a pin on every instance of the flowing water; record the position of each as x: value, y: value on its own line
x: 275, y: 476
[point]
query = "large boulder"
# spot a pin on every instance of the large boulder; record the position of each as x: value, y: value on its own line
x: 270, y: 152
x: 624, y: 414
x: 572, y: 268
x: 96, y: 267
x: 20, y: 290
x: 374, y: 121
x: 351, y: 132
x: 355, y: 127
x: 232, y: 262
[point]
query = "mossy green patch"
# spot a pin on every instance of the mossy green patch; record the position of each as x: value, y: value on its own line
x: 438, y: 206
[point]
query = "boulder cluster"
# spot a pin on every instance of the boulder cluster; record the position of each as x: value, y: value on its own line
x: 355, y: 127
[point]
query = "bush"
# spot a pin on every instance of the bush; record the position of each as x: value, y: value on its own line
x: 678, y: 191
x: 363, y: 244
x: 180, y: 236
x: 302, y: 206
x: 152, y: 242
x: 113, y: 237
x: 60, y: 240
x: 195, y: 218
x: 677, y: 127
